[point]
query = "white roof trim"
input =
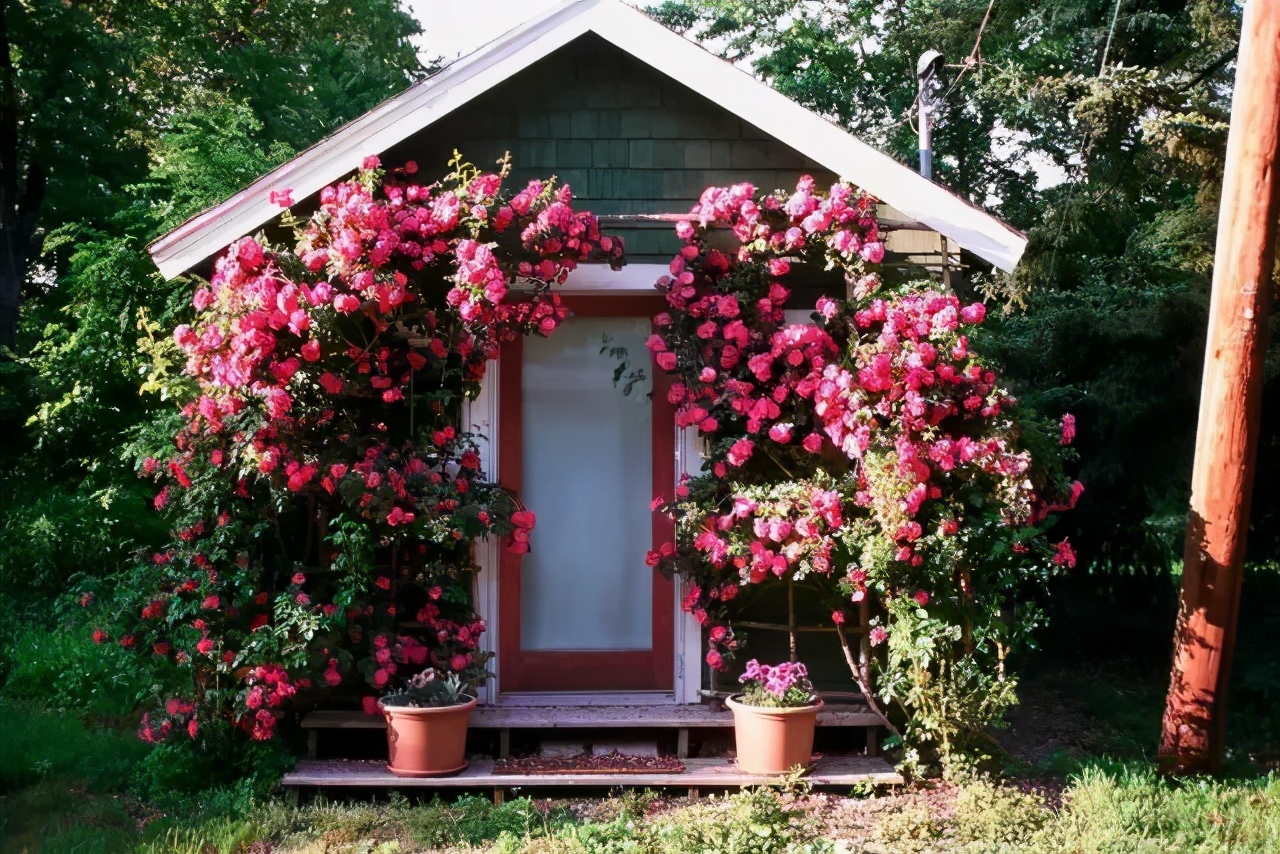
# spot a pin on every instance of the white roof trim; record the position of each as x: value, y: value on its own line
x: 630, y: 30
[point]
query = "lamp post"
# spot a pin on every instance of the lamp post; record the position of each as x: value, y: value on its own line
x: 930, y: 96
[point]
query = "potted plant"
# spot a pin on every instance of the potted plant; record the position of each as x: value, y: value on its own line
x: 774, y: 717
x: 427, y: 726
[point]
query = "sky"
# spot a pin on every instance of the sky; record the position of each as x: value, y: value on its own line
x: 455, y: 27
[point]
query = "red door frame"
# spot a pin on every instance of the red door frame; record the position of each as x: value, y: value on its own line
x: 579, y: 670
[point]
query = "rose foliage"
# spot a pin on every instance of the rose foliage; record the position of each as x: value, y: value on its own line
x: 325, y: 502
x: 869, y: 453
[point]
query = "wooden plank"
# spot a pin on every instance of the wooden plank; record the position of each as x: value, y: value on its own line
x: 593, y: 717
x: 369, y: 774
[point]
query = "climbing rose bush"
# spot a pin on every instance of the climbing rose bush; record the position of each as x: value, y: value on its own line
x: 869, y: 453
x: 325, y: 501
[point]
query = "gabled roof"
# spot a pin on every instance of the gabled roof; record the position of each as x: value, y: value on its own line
x: 648, y: 41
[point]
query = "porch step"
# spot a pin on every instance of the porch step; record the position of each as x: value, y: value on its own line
x: 827, y: 771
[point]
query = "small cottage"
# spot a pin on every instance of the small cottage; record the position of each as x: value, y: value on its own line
x: 639, y: 121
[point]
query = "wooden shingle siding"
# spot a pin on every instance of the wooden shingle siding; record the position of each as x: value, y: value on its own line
x: 627, y: 138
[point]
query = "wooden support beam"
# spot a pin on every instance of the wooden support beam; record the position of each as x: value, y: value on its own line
x: 1192, y: 739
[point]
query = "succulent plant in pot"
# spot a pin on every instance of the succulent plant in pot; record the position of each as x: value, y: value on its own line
x: 427, y: 725
x: 774, y: 717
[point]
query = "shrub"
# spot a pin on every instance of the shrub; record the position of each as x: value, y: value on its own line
x: 754, y: 821
x: 52, y: 533
x: 223, y: 766
x: 320, y: 490
x: 871, y: 454
x: 994, y: 816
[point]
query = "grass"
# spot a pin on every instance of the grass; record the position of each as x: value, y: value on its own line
x: 61, y: 783
x: 1121, y: 808
x: 1130, y: 809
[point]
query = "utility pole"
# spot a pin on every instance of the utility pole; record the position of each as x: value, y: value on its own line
x: 1230, y: 407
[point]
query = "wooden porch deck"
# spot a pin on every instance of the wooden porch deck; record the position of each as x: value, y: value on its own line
x: 827, y: 771
x: 683, y: 718
x: 594, y: 717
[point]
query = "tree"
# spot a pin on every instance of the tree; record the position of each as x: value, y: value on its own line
x: 139, y: 113
x: 89, y: 87
x: 61, y: 119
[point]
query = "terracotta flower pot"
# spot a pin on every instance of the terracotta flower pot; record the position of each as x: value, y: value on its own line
x: 772, y: 741
x: 428, y: 742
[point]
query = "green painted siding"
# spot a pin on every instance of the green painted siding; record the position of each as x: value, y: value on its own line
x: 627, y: 138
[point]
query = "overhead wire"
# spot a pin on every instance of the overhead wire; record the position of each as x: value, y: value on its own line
x: 1086, y: 145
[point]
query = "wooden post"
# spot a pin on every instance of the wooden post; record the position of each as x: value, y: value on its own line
x: 1230, y: 407
x: 791, y: 616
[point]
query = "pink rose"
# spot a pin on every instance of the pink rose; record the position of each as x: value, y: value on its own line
x: 1068, y: 429
x: 973, y: 313
x: 740, y: 452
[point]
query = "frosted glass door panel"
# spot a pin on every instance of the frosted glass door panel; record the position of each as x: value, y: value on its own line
x: 588, y: 474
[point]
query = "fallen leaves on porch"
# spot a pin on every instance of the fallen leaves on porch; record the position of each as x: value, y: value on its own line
x: 585, y: 763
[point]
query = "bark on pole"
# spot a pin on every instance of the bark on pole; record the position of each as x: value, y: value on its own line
x: 1230, y: 405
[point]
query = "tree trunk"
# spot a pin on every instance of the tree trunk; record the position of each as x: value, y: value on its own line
x: 1230, y: 408
x: 19, y: 200
x: 13, y: 273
